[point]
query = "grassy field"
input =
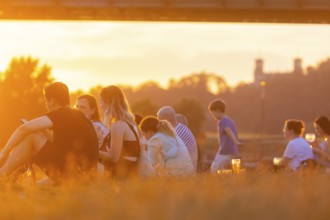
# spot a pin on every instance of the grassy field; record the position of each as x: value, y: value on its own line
x: 255, y: 195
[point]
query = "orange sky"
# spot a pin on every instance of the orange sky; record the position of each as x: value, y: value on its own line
x: 84, y: 54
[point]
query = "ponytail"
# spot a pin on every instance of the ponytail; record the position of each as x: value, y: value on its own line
x: 166, y: 128
x: 151, y: 123
x: 296, y: 126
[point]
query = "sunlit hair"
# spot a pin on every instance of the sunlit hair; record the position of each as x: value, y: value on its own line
x: 296, y: 126
x: 324, y: 124
x: 59, y: 92
x: 118, y: 108
x: 167, y: 113
x: 151, y: 123
x: 93, y: 105
x: 217, y: 105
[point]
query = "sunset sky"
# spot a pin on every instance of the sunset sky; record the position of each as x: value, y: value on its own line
x: 84, y: 54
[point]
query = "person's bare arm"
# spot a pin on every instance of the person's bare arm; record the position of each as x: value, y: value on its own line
x: 284, y: 161
x: 321, y: 152
x: 29, y: 127
x: 116, y: 144
x: 231, y: 135
x: 45, y: 133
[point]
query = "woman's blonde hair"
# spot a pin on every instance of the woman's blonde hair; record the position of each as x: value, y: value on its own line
x: 118, y: 109
x: 151, y: 123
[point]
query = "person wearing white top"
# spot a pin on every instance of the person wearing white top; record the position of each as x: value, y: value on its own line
x: 298, y: 149
x: 166, y: 151
x: 168, y: 113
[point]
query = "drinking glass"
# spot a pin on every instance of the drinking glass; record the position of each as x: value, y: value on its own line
x: 310, y: 137
x: 277, y: 160
x: 236, y: 165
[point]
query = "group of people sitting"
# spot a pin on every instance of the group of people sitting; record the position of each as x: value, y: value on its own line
x: 67, y: 143
x: 302, y: 153
x: 299, y: 153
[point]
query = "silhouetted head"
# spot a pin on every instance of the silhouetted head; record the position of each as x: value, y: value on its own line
x: 322, y: 126
x: 87, y: 104
x: 182, y: 119
x: 151, y: 125
x: 293, y: 128
x: 217, y: 108
x: 56, y: 95
x: 114, y: 105
x: 167, y: 113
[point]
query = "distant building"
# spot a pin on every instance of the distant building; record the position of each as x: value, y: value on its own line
x: 260, y: 75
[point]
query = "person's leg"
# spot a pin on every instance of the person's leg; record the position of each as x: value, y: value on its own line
x: 219, y: 162
x: 22, y: 152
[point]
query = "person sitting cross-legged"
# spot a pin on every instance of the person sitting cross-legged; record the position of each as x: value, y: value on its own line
x: 71, y: 149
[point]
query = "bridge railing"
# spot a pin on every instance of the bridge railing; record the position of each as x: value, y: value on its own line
x: 140, y: 3
x: 26, y: 3
x: 244, y: 4
x: 316, y: 4
x: 84, y: 3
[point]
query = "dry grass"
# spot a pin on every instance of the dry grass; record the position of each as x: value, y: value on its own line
x: 245, y: 196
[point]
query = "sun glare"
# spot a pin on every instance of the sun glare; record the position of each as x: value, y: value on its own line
x: 90, y: 53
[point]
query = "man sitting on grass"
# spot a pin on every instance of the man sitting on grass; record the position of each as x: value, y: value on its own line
x: 71, y: 149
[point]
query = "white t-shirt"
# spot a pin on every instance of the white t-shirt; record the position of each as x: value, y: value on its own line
x: 298, y: 150
x: 169, y: 154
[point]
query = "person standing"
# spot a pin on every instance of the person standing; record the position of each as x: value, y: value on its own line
x: 227, y: 135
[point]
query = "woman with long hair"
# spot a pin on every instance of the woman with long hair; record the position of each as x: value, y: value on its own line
x: 166, y: 151
x: 322, y: 149
x: 123, y: 139
x: 87, y: 104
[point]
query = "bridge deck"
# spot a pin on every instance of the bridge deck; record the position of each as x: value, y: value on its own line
x: 287, y: 11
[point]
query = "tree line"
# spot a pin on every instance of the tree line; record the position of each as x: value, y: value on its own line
x: 301, y: 97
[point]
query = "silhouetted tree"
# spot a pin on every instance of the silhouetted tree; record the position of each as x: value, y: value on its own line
x: 206, y: 82
x: 21, y: 92
x: 286, y: 96
x: 144, y: 107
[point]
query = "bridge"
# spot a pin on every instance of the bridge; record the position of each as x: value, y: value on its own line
x: 277, y: 11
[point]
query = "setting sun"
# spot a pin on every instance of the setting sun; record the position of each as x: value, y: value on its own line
x: 84, y: 54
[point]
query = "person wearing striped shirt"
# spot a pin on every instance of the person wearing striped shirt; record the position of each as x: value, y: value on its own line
x: 168, y: 113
